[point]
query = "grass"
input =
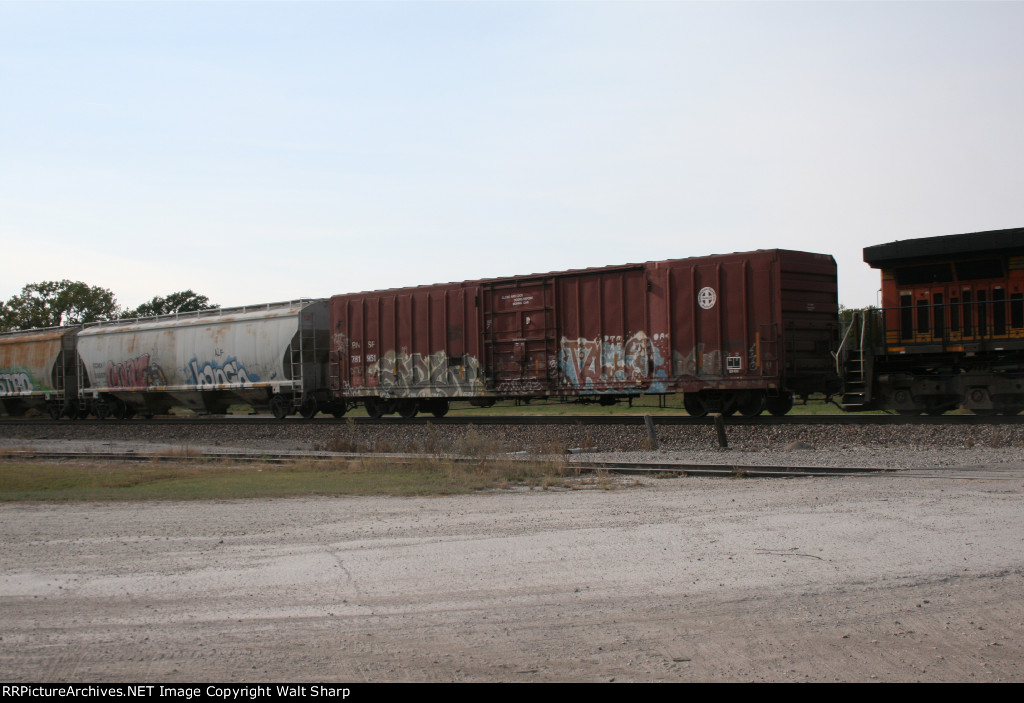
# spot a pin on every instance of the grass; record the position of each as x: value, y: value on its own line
x: 107, y: 481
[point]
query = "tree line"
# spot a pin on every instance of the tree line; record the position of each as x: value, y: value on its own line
x: 59, y: 303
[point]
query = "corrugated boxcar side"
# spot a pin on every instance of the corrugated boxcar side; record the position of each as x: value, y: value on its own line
x: 736, y: 321
x: 413, y: 342
x: 809, y: 305
x: 720, y: 318
x: 605, y: 342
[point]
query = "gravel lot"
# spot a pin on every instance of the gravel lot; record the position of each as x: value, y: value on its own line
x: 909, y: 576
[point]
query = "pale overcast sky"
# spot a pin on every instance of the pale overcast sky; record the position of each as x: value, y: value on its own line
x: 259, y: 151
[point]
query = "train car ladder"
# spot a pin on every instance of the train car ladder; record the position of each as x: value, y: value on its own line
x: 853, y: 364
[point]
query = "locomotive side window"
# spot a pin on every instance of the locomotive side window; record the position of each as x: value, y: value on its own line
x: 906, y: 316
x: 924, y: 275
x: 998, y: 311
x: 954, y: 315
x: 984, y: 268
x: 938, y: 316
x: 967, y: 314
x: 1016, y: 310
x: 922, y: 317
x: 982, y: 313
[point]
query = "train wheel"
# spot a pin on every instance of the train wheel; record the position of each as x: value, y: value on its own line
x: 750, y: 404
x: 338, y: 408
x: 118, y: 409
x: 408, y: 409
x: 78, y: 410
x: 100, y: 409
x: 308, y: 408
x: 374, y: 408
x: 439, y: 407
x: 780, y: 405
x: 693, y: 405
x: 56, y: 410
x: 280, y: 406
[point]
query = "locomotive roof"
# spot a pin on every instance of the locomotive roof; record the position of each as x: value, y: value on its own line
x: 991, y: 243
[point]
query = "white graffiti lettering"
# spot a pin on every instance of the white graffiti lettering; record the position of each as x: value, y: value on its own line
x: 15, y: 382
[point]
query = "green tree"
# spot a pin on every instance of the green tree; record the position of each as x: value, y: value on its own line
x: 55, y: 303
x: 182, y: 301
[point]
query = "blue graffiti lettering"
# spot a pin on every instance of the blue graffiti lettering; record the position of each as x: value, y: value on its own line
x: 209, y: 375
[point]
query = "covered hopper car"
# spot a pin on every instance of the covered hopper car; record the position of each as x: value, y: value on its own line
x: 270, y: 356
x: 37, y: 371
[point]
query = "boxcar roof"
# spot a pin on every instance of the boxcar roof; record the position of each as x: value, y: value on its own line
x: 993, y: 242
x: 759, y: 254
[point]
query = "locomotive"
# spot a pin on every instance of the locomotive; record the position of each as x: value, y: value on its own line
x: 950, y: 331
x: 734, y: 333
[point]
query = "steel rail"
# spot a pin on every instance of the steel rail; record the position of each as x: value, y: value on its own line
x: 680, y: 469
x: 589, y: 466
x: 594, y: 420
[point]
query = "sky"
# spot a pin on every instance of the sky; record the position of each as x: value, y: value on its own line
x: 264, y: 151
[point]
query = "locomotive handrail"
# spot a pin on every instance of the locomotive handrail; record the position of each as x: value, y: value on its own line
x: 838, y: 353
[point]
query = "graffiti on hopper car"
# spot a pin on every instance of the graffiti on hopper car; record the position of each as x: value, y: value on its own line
x: 209, y: 374
x: 135, y: 373
x: 12, y: 382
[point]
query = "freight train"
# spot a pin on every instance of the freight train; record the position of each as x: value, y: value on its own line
x: 734, y: 333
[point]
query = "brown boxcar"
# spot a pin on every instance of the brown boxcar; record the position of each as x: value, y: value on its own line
x: 734, y: 332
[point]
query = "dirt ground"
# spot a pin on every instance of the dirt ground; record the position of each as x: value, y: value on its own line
x: 880, y: 577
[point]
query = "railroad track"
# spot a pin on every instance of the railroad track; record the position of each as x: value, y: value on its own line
x: 584, y: 465
x: 586, y: 420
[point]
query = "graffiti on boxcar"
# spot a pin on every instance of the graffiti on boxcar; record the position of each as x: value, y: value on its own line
x: 603, y: 363
x: 12, y: 381
x: 135, y: 373
x: 523, y: 386
x: 210, y: 374
x: 424, y: 375
x: 697, y: 362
